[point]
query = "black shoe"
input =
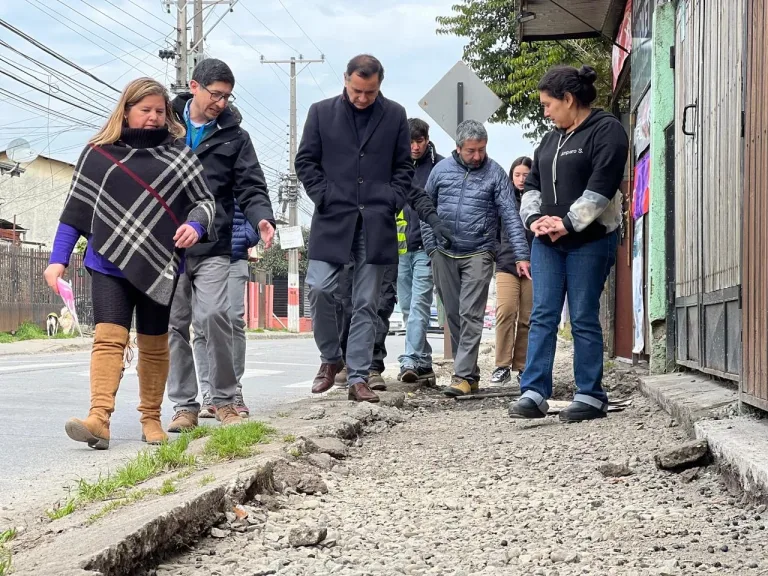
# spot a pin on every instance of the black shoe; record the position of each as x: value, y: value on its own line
x: 579, y: 412
x: 409, y: 375
x: 501, y: 376
x: 520, y: 377
x: 525, y: 409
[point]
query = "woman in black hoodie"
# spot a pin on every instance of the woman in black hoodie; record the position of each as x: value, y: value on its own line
x: 573, y: 206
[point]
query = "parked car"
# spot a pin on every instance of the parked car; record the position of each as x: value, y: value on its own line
x: 396, y: 323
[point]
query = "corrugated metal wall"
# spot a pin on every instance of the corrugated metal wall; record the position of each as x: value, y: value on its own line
x: 755, y: 254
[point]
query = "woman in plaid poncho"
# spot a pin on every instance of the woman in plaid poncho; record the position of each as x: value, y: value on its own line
x: 139, y: 195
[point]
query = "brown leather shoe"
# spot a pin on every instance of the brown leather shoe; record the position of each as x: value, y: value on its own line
x: 325, y: 378
x: 360, y: 392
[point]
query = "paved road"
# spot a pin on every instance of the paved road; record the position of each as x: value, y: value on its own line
x: 39, y: 393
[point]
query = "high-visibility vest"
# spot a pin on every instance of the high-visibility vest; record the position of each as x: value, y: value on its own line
x: 402, y: 239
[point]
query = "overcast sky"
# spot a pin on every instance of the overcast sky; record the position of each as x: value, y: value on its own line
x: 118, y: 40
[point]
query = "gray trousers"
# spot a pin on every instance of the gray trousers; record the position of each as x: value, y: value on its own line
x: 202, y: 283
x: 462, y: 284
x: 238, y: 279
x: 323, y: 282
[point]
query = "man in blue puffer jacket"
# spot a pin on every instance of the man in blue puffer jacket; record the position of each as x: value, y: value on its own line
x: 243, y: 238
x: 471, y: 192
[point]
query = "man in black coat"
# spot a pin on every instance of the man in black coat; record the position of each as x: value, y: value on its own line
x: 354, y: 161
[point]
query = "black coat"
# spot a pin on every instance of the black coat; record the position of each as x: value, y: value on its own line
x: 422, y: 168
x: 350, y: 179
x: 233, y: 171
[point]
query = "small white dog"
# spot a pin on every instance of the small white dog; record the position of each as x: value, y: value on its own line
x: 52, y: 324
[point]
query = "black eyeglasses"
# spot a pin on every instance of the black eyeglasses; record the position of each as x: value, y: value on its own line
x: 218, y: 96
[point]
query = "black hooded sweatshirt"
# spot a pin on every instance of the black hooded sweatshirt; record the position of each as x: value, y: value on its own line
x: 577, y: 176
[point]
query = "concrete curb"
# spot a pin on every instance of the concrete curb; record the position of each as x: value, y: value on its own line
x: 29, y: 347
x: 278, y: 336
x: 709, y: 411
x: 141, y: 534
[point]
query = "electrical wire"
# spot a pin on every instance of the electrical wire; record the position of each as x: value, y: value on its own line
x: 17, y: 79
x: 242, y: 3
x: 308, y: 38
x: 50, y: 52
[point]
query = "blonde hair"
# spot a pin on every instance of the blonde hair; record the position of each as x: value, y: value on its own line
x: 134, y: 93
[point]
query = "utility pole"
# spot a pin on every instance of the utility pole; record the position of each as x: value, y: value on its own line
x: 293, y: 193
x: 186, y: 55
x: 197, y: 36
x: 182, y: 81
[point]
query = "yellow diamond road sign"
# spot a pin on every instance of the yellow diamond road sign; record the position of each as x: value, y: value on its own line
x: 460, y: 86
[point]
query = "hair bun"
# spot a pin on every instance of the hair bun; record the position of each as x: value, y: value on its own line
x: 587, y: 75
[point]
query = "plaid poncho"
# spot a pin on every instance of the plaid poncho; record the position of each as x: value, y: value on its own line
x: 130, y: 213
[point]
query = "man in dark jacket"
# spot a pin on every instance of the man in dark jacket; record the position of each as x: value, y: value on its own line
x: 244, y: 237
x: 354, y: 163
x: 414, y: 280
x: 233, y: 172
x: 471, y: 191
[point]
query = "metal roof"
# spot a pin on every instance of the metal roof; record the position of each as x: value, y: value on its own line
x: 540, y: 20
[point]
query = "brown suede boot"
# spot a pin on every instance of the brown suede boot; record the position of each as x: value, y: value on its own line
x: 109, y: 342
x: 152, y: 369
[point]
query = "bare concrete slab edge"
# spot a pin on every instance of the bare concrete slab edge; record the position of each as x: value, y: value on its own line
x: 689, y: 398
x: 738, y: 444
x: 142, y: 534
x: 168, y: 530
x: 740, y: 447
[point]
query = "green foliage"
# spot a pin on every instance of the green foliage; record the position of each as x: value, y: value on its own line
x: 81, y: 246
x: 275, y: 259
x: 513, y: 69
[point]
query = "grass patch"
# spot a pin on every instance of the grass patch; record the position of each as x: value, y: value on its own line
x: 5, y: 554
x: 233, y: 442
x: 289, y: 438
x: 5, y: 561
x: 565, y: 332
x: 29, y: 331
x: 207, y: 479
x: 61, y: 510
x: 283, y: 414
x: 168, y: 487
x: 295, y: 452
x: 224, y: 444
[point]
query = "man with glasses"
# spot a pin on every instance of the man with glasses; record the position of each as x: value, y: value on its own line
x: 233, y: 173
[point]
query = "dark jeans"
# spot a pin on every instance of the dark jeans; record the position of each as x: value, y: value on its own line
x: 115, y: 299
x: 578, y: 274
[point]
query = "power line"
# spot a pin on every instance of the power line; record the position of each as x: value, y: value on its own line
x: 57, y: 15
x: 267, y: 27
x: 137, y: 19
x: 59, y: 57
x: 39, y: 108
x: 104, y: 27
x: 307, y: 35
x: 51, y: 95
x: 50, y: 86
x: 59, y: 75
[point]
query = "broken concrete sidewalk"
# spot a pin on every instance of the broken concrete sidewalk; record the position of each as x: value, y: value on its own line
x: 143, y: 531
x: 709, y: 411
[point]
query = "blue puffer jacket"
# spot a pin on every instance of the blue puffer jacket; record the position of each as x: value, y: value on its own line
x: 471, y: 201
x: 243, y: 236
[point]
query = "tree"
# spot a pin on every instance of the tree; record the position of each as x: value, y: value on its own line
x: 513, y: 69
x: 275, y: 259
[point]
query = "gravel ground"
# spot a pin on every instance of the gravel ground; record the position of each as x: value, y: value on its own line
x: 460, y: 489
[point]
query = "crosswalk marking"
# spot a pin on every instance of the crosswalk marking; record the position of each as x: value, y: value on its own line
x: 37, y: 367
